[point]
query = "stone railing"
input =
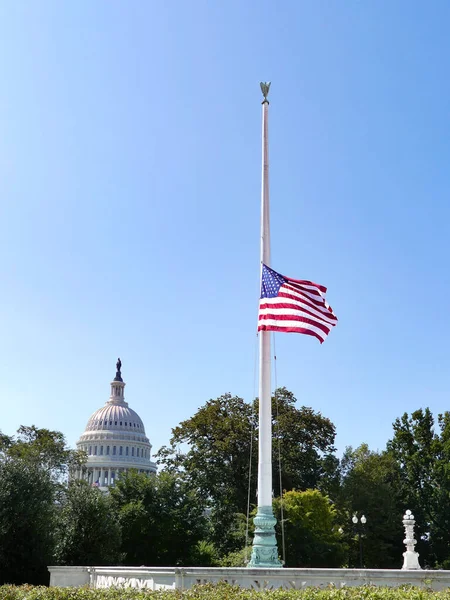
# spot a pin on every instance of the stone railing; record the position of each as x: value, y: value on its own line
x: 183, y: 577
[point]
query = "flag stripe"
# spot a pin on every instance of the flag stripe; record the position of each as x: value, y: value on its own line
x: 294, y: 305
x: 294, y: 318
x: 325, y: 310
x: 292, y: 329
x: 319, y: 300
x: 294, y: 323
x: 290, y: 309
x: 313, y: 292
x: 294, y: 299
x: 304, y: 282
x: 281, y: 303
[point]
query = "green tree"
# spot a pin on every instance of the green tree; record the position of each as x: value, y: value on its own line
x: 33, y: 466
x: 220, y: 443
x: 306, y: 442
x: 421, y: 449
x: 162, y: 519
x: 43, y: 447
x: 371, y: 486
x: 219, y: 439
x: 27, y: 514
x: 216, y: 463
x: 312, y: 537
x: 87, y: 528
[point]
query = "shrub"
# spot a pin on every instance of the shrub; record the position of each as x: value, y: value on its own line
x: 221, y: 591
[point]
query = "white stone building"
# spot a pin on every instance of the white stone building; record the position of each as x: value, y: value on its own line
x: 114, y: 440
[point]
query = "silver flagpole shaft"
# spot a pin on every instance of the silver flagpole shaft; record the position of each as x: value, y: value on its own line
x: 264, y: 551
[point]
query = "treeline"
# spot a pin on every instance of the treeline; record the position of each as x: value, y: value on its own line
x: 194, y: 511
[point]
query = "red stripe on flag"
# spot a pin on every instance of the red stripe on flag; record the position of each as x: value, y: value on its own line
x: 286, y: 306
x: 278, y: 317
x: 291, y: 330
x: 322, y: 288
x: 313, y: 294
x: 294, y: 305
x: 317, y: 304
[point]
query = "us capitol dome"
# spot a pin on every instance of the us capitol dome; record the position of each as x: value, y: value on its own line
x: 114, y: 440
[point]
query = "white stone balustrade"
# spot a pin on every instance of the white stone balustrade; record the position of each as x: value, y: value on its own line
x: 185, y: 577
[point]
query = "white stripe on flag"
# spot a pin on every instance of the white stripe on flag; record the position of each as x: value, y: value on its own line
x: 296, y: 307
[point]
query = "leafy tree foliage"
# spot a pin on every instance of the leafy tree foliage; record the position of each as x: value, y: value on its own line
x: 204, y: 554
x: 219, y: 439
x: 194, y: 511
x: 238, y: 558
x: 32, y: 469
x: 26, y: 521
x: 312, y: 537
x: 306, y: 442
x: 221, y: 442
x: 370, y: 486
x: 162, y: 519
x: 87, y: 530
x: 216, y: 463
x: 42, y: 447
x: 421, y: 449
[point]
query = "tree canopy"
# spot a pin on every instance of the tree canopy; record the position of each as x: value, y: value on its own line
x: 87, y: 528
x: 370, y: 487
x: 26, y: 522
x: 421, y: 449
x: 43, y: 447
x: 216, y: 451
x: 193, y: 512
x: 312, y: 535
x: 161, y: 517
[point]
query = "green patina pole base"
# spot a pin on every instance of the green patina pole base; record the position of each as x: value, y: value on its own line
x: 264, y: 551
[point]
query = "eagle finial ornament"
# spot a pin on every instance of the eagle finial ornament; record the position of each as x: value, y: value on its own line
x: 265, y: 87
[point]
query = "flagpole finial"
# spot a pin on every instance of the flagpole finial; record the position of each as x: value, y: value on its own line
x: 265, y: 87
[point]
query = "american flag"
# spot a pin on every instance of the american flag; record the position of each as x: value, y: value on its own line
x: 294, y: 305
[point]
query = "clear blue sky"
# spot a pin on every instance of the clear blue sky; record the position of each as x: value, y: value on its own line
x: 130, y: 185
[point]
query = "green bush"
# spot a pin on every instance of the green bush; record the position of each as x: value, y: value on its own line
x: 221, y: 591
x: 239, y: 558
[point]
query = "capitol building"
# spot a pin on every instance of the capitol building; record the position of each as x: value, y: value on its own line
x: 114, y: 440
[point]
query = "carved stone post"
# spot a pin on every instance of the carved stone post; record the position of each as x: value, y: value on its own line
x: 411, y: 558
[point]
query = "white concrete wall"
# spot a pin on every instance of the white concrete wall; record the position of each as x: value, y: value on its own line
x: 184, y: 578
x: 69, y: 576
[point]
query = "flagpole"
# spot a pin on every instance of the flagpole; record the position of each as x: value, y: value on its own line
x: 264, y: 551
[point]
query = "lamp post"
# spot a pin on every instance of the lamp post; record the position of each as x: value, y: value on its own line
x: 360, y: 524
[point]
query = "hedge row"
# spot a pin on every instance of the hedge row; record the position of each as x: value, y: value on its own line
x: 221, y: 591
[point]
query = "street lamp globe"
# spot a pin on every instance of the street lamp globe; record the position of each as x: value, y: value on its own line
x: 355, y: 519
x: 363, y: 520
